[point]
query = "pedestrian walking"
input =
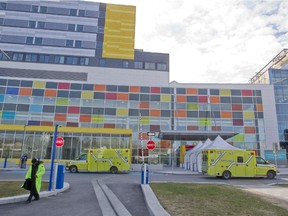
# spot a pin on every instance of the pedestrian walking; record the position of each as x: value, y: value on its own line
x: 35, y: 173
x: 23, y: 161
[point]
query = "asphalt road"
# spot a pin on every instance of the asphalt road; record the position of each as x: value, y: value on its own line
x: 80, y: 199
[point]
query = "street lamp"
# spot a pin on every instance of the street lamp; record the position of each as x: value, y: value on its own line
x: 23, y: 142
x: 53, y: 155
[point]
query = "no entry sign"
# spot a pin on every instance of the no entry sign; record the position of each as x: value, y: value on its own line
x: 59, y: 142
x: 150, y: 145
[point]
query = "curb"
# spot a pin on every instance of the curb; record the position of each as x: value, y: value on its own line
x: 20, y: 198
x: 103, y: 201
x: 153, y: 204
x: 117, y: 205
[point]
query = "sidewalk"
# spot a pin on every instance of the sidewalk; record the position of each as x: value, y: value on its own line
x: 273, y: 193
x: 42, y: 194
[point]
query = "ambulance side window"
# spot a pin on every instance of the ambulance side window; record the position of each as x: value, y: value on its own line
x: 260, y: 160
x: 83, y: 157
x: 240, y: 159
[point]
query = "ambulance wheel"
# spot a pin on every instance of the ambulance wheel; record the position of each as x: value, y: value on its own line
x: 73, y: 169
x: 271, y: 174
x: 226, y: 175
x: 113, y: 170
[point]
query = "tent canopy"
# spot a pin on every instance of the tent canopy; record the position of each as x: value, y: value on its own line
x: 219, y: 143
x: 194, y: 135
x: 188, y: 153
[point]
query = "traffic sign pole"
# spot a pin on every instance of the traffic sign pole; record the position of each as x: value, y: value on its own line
x: 53, y: 156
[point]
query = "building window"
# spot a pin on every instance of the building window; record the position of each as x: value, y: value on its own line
x: 3, y: 56
x: 59, y: 59
x: 71, y: 60
x: 78, y: 43
x: 29, y: 40
x: 41, y: 25
x: 35, y: 8
x: 17, y: 57
x: 161, y: 67
x: 38, y: 41
x: 149, y: 66
x: 69, y: 43
x: 79, y: 28
x: 138, y: 65
x: 44, y: 58
x: 71, y: 27
x: 3, y: 6
x: 102, y: 62
x: 32, y: 24
x: 31, y: 58
x: 125, y: 64
x: 240, y: 159
x: 73, y: 12
x: 43, y: 9
x: 81, y: 13
x: 84, y: 61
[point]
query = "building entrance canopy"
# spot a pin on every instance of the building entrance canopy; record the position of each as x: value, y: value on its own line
x: 194, y: 135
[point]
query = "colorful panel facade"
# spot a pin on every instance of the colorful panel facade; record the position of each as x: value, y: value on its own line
x: 110, y: 106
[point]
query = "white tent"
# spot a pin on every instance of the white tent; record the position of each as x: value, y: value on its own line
x: 218, y: 143
x: 188, y: 153
x: 193, y: 156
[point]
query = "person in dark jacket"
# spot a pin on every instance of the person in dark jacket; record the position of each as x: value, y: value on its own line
x: 23, y: 161
x: 35, y: 173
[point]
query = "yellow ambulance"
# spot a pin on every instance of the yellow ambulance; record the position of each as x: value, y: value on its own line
x: 102, y: 160
x: 236, y: 163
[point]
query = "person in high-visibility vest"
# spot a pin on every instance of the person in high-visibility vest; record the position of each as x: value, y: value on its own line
x: 35, y: 173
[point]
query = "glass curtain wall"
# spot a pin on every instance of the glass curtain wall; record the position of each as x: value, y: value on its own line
x: 38, y: 144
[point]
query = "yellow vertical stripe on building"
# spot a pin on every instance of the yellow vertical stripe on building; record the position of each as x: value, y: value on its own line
x: 119, y: 32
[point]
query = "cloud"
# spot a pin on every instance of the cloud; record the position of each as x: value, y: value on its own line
x: 219, y: 41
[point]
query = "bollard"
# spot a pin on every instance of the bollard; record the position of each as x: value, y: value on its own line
x: 147, y: 174
x: 144, y: 174
x: 60, y: 177
x: 5, y: 162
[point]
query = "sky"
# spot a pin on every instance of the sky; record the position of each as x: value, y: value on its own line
x: 218, y: 41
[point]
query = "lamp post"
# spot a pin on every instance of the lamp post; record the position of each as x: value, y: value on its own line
x: 23, y: 142
x: 53, y: 155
